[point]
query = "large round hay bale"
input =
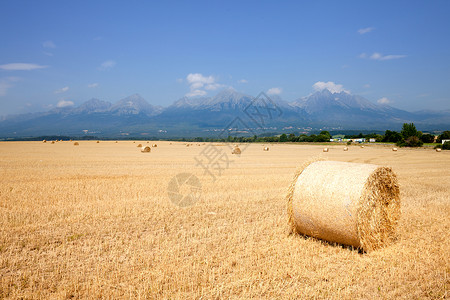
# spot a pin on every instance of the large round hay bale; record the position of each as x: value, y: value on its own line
x: 140, y: 145
x: 236, y: 150
x: 394, y: 149
x: 75, y: 144
x: 347, y: 203
x: 44, y: 141
x: 146, y: 149
x: 266, y: 149
x: 53, y: 142
x: 345, y: 148
x: 154, y: 145
x: 362, y: 146
x: 438, y: 150
x: 98, y: 142
x: 325, y: 150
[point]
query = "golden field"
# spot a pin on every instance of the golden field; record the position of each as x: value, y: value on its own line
x: 96, y: 221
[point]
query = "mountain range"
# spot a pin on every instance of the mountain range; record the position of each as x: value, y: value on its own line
x: 210, y: 116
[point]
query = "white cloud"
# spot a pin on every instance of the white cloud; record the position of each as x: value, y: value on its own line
x: 48, y: 44
x: 383, y: 100
x: 194, y: 93
x: 61, y: 90
x: 365, y: 30
x: 366, y: 86
x: 64, y: 103
x: 331, y: 86
x: 199, y: 83
x: 21, y: 67
x: 106, y: 65
x: 6, y: 83
x: 4, y: 86
x: 274, y: 91
x: 379, y: 56
x: 93, y: 85
x: 243, y: 81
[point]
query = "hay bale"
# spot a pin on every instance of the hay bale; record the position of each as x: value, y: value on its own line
x: 70, y: 140
x: 98, y: 142
x: 236, y: 150
x: 362, y: 146
x: 53, y: 142
x: 325, y: 150
x: 438, y: 149
x: 116, y: 142
x: 154, y: 145
x: 345, y: 148
x: 187, y: 145
x: 140, y: 145
x: 394, y: 149
x: 266, y: 149
x: 146, y: 149
x: 347, y: 203
x: 44, y: 141
x: 75, y: 144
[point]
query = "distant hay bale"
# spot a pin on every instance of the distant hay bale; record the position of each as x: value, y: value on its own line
x: 154, y: 145
x: 116, y: 142
x: 325, y: 150
x: 187, y: 145
x: 53, y: 142
x: 394, y: 149
x: 75, y: 144
x: 236, y: 150
x: 98, y: 142
x: 146, y: 149
x: 438, y: 149
x: 266, y: 149
x: 140, y: 145
x: 60, y: 140
x: 44, y: 141
x: 347, y: 203
x: 362, y: 146
x: 70, y: 140
x: 345, y: 148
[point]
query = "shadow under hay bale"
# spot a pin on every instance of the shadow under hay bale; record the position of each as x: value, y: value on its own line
x: 347, y: 203
x: 146, y: 149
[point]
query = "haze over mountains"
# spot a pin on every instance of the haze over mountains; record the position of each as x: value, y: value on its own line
x: 206, y: 116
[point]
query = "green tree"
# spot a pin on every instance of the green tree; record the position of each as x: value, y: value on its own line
x: 427, y: 138
x: 444, y: 136
x: 409, y: 130
x: 283, y: 138
x: 291, y: 137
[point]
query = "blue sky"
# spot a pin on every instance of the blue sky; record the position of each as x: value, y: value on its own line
x: 56, y: 53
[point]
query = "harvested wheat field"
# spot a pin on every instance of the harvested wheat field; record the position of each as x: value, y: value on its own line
x: 97, y: 222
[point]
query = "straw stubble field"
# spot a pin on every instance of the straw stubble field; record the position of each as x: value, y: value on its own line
x: 95, y: 221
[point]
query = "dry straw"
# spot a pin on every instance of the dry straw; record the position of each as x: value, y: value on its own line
x: 236, y: 150
x: 346, y: 203
x: 146, y: 149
